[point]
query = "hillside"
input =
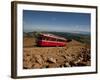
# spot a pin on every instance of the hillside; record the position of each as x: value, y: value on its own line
x: 75, y: 53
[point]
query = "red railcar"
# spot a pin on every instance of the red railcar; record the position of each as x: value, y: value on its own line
x: 51, y: 40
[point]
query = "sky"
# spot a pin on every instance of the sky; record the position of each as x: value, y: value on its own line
x: 55, y: 21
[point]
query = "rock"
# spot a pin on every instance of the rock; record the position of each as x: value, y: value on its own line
x: 36, y: 65
x: 27, y: 58
x: 88, y: 63
x: 38, y: 59
x: 80, y: 59
x: 82, y: 64
x: 61, y: 66
x: 52, y: 60
x: 67, y: 64
x: 32, y: 60
x: 27, y: 65
x: 75, y: 62
x: 68, y: 58
x: 44, y: 58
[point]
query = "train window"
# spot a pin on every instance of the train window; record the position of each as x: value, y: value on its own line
x: 61, y: 40
x: 47, y: 39
x: 50, y: 39
x: 53, y: 39
x: 43, y: 38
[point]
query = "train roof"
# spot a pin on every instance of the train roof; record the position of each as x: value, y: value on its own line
x: 52, y: 36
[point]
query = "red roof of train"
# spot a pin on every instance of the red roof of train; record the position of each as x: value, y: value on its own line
x: 53, y: 36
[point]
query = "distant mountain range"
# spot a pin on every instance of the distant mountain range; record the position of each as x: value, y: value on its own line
x: 76, y: 32
x: 83, y: 37
x: 80, y: 32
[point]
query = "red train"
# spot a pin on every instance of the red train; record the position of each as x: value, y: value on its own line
x: 51, y: 40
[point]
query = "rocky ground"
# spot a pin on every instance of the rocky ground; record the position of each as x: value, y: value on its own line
x: 73, y: 54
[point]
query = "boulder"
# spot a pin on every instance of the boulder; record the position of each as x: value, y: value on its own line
x: 27, y: 65
x: 38, y: 59
x: 52, y: 60
x: 36, y: 65
x: 67, y: 64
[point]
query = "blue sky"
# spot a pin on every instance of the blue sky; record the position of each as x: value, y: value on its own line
x: 55, y: 21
